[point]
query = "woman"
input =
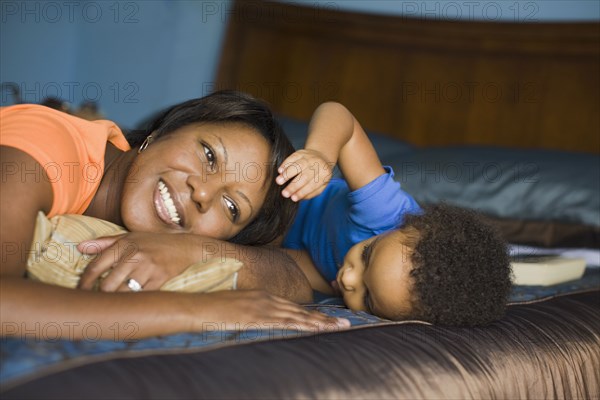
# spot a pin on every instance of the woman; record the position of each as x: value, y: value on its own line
x: 182, y: 179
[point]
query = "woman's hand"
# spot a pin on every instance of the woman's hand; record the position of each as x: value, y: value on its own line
x: 309, y: 173
x: 151, y: 259
x: 256, y: 309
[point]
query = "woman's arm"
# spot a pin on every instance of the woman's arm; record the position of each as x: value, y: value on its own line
x: 25, y: 191
x: 34, y: 310
x: 30, y: 309
x: 153, y: 259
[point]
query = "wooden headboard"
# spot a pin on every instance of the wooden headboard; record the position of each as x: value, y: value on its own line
x: 430, y: 82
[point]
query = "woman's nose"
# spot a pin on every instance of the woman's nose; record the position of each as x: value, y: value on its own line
x: 203, y: 191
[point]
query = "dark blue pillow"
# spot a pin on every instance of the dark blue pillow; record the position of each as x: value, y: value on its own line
x: 540, y: 185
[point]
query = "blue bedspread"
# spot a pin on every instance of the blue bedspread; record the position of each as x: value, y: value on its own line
x: 25, y: 358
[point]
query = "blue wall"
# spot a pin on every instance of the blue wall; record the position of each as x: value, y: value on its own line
x: 134, y: 57
x: 131, y: 57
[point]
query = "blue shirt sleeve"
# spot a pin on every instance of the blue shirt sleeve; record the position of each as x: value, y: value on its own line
x: 380, y: 205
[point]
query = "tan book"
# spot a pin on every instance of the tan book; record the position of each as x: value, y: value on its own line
x: 546, y: 270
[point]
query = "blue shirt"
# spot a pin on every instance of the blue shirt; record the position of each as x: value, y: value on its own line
x: 328, y: 225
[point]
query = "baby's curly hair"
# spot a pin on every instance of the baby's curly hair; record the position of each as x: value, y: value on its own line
x: 461, y: 269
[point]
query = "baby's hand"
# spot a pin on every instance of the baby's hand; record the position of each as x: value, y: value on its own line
x: 308, y: 172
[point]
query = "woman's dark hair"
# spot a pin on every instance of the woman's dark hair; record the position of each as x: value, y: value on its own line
x: 461, y: 269
x: 225, y: 107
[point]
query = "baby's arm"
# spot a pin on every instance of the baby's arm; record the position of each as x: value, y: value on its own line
x: 334, y: 136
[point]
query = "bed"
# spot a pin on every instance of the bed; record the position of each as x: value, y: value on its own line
x: 500, y: 117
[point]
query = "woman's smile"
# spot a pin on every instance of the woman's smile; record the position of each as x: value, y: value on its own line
x: 168, y: 207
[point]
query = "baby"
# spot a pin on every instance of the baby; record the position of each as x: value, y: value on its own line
x: 373, y: 243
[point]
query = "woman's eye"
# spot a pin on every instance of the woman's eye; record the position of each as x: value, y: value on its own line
x: 233, y: 209
x: 210, y: 156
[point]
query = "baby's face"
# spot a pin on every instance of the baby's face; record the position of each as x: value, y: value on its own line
x: 375, y: 276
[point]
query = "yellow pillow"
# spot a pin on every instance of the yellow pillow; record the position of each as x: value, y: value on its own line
x: 54, y: 258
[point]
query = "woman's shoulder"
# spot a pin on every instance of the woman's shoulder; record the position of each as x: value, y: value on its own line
x: 69, y: 150
x: 25, y: 125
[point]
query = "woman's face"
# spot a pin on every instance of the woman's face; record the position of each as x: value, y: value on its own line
x: 207, y: 179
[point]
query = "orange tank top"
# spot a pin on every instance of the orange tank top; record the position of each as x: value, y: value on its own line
x: 69, y: 149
